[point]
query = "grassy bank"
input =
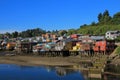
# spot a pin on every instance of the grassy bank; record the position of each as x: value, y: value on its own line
x: 117, y: 50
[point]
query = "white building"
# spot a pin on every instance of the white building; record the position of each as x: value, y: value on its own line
x: 112, y: 34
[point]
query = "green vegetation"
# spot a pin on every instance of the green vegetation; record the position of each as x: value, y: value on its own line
x: 105, y: 23
x: 32, y: 32
x: 117, y: 50
x: 97, y: 30
x: 27, y: 33
x: 117, y: 39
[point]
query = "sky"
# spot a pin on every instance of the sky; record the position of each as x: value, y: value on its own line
x: 20, y: 15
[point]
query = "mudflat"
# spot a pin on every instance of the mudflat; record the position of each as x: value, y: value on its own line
x: 39, y: 60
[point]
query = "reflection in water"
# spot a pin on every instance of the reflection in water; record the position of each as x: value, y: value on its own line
x: 15, y: 72
x: 61, y: 71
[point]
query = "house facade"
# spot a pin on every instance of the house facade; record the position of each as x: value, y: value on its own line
x: 112, y: 34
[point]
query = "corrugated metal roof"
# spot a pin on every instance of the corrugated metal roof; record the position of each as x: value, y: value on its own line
x: 97, y: 37
x: 70, y: 40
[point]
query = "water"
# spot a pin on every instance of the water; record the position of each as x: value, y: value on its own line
x: 16, y: 72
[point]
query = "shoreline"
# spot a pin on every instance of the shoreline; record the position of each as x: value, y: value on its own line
x: 38, y: 60
x: 71, y: 62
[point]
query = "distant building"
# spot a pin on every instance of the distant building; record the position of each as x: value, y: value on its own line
x: 76, y: 36
x: 112, y: 34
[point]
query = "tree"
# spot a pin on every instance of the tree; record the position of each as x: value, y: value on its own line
x: 100, y: 17
x: 93, y: 24
x: 48, y: 31
x: 15, y: 34
x: 106, y: 13
x: 83, y: 25
x: 1, y: 36
x: 104, y: 18
x: 32, y: 32
x: 71, y: 31
x: 8, y: 34
x: 62, y: 32
x: 116, y: 19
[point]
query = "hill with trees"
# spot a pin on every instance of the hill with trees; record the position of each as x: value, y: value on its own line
x: 105, y: 23
x: 27, y: 33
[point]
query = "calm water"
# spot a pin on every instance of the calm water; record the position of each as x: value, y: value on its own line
x: 15, y: 72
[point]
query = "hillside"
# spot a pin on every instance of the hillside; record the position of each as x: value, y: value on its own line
x: 105, y: 23
x: 98, y: 30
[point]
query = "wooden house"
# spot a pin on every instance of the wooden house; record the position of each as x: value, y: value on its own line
x: 25, y: 47
x: 11, y: 45
x: 104, y: 46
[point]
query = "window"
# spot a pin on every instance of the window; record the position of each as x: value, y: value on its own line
x: 107, y: 33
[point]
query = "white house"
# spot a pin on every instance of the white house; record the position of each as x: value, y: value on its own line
x: 112, y: 34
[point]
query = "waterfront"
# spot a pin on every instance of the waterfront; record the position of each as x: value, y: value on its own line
x: 16, y: 72
x: 89, y: 67
x: 77, y: 63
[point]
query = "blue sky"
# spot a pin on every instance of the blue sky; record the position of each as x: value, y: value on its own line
x: 19, y: 15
